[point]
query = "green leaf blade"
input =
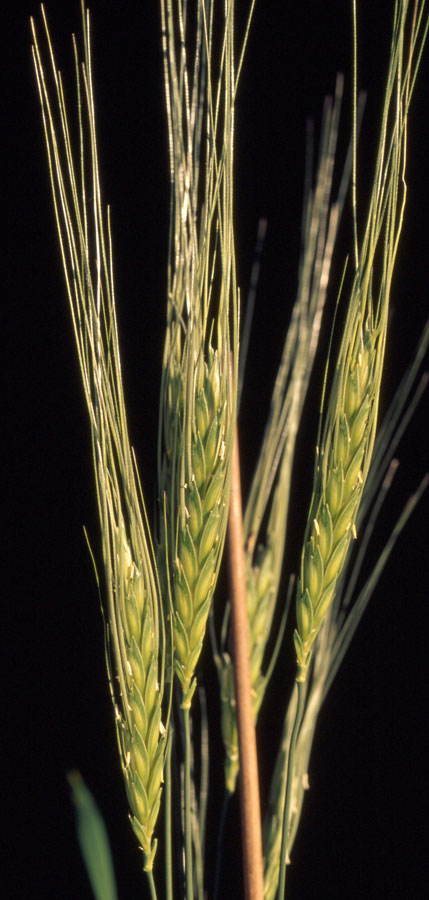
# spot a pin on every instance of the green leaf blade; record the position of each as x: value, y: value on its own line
x: 93, y: 840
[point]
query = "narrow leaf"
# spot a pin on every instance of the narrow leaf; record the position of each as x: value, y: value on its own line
x: 93, y: 840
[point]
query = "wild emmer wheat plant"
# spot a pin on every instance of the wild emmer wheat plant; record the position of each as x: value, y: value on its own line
x: 159, y: 578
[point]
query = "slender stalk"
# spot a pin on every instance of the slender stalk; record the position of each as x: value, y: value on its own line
x: 249, y: 785
x: 188, y: 817
x: 168, y: 825
x: 289, y: 783
x: 151, y: 881
x: 354, y: 175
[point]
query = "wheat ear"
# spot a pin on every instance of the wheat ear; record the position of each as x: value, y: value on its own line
x: 135, y: 631
x: 270, y: 490
x: 197, y: 411
x: 344, y: 453
x: 342, y: 619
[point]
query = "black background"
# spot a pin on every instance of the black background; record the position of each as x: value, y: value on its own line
x: 363, y: 831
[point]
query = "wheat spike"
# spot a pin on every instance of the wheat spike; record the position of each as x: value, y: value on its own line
x: 135, y: 639
x: 197, y: 412
x: 270, y: 490
x: 201, y: 511
x: 344, y: 460
x: 344, y: 455
x: 202, y: 528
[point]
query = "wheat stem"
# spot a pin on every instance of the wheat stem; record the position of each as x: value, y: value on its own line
x: 289, y: 782
x: 168, y: 832
x: 249, y: 782
x: 187, y: 798
x: 151, y: 882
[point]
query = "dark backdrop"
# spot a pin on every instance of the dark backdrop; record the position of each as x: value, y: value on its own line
x: 363, y: 827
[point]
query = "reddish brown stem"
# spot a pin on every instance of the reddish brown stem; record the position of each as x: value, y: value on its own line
x: 249, y: 783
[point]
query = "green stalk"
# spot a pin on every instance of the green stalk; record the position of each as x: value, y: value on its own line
x: 168, y: 825
x: 289, y: 782
x: 151, y: 884
x: 188, y: 818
